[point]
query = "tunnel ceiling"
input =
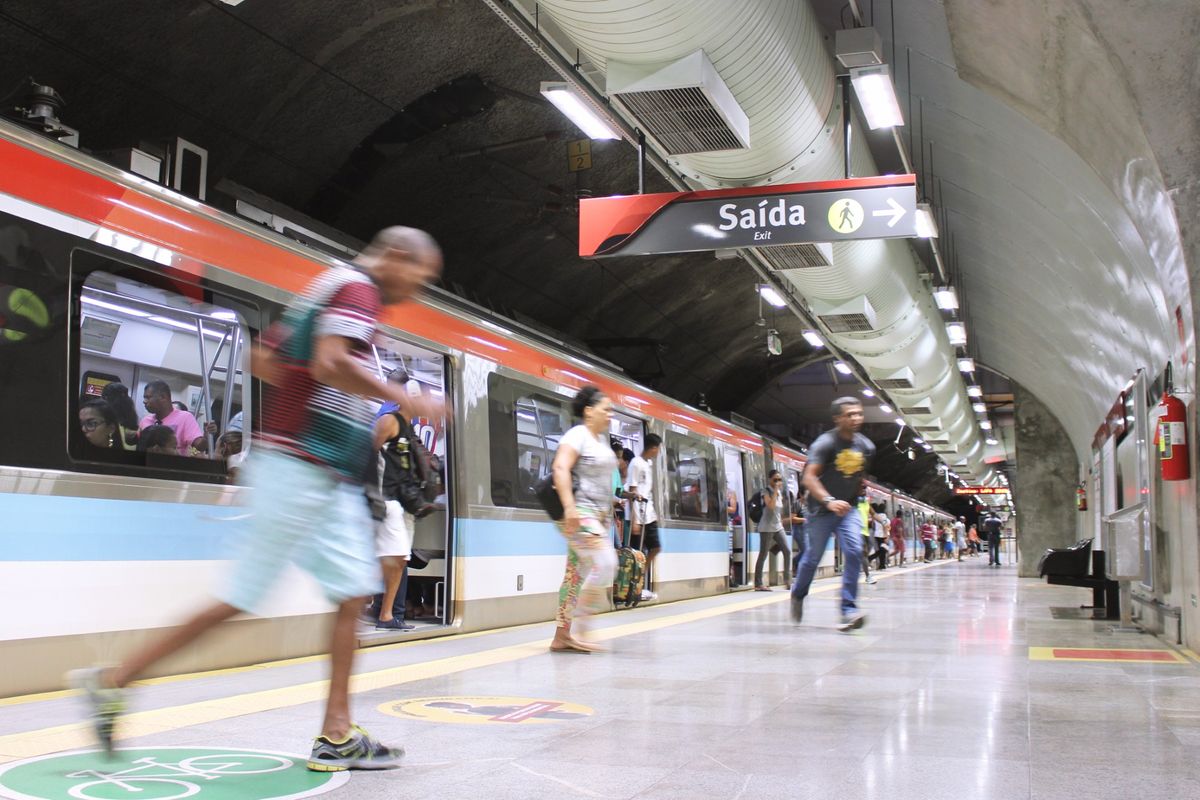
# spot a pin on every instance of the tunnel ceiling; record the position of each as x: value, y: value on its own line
x: 360, y: 114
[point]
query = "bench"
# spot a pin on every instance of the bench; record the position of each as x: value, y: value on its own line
x: 1079, y: 565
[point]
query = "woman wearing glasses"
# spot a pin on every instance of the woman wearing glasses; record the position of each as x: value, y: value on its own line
x: 99, y: 424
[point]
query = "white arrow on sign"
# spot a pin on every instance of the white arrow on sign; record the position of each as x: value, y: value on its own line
x: 896, y: 211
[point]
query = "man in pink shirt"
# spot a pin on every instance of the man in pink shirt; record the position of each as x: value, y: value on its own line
x: 157, y: 399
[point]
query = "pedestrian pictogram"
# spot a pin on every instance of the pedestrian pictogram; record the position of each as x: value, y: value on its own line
x: 486, y: 710
x: 846, y: 215
x: 166, y: 773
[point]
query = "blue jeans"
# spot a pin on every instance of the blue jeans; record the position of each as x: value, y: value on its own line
x: 817, y: 531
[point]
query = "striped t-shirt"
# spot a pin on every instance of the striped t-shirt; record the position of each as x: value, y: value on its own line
x: 308, y: 419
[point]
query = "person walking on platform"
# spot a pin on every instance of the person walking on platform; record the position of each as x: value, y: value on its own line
x: 837, y: 465
x: 584, y: 454
x: 991, y: 526
x: 868, y: 541
x: 308, y: 505
x: 960, y: 536
x: 896, y: 531
x: 777, y: 506
x: 639, y: 482
x: 879, y: 529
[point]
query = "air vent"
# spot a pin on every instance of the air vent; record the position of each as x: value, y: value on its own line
x: 853, y: 316
x: 685, y: 104
x: 933, y: 426
x: 921, y: 408
x: 797, y: 256
x: 900, y: 379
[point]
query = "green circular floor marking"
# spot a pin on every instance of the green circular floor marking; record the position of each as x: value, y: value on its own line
x: 166, y: 773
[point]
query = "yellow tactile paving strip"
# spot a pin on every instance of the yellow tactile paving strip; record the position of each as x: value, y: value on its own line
x: 78, y: 735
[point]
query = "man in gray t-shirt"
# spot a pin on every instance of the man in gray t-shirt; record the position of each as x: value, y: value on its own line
x: 777, y: 509
x: 837, y: 465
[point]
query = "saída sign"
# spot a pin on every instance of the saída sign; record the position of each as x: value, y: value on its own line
x: 755, y: 216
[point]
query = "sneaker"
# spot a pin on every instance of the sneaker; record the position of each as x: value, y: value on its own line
x: 797, y: 609
x: 106, y: 703
x: 359, y: 751
x: 852, y: 621
x: 648, y: 595
x: 393, y: 624
x: 872, y: 579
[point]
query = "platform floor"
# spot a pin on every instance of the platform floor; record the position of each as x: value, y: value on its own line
x: 966, y: 683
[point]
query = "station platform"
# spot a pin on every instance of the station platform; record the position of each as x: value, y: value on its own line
x: 966, y: 682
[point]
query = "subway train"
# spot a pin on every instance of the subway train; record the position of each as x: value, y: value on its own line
x: 106, y: 277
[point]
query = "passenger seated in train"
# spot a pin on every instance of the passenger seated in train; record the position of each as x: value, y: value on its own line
x: 188, y: 435
x: 159, y: 439
x: 99, y: 424
x: 229, y: 450
x: 117, y: 396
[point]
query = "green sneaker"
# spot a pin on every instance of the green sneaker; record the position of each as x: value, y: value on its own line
x: 359, y: 751
x: 105, y: 703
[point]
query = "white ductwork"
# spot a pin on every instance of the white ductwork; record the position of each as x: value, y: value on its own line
x: 772, y: 57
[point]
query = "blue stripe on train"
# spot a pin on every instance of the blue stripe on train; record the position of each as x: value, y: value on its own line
x: 52, y: 528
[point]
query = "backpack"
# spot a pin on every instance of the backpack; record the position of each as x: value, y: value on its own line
x: 412, y: 472
x: 754, y: 507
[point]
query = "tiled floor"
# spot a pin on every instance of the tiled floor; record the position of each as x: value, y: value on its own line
x: 936, y: 698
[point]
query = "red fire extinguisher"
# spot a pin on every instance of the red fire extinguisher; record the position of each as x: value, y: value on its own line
x: 1171, y: 439
x: 1081, y: 498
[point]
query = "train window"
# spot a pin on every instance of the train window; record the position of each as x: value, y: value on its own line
x: 692, y: 478
x: 627, y: 430
x: 525, y: 427
x: 184, y: 364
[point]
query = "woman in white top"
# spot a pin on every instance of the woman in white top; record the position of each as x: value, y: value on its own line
x: 584, y: 452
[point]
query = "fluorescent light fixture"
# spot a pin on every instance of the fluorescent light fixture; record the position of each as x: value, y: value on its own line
x: 900, y: 422
x: 946, y: 298
x: 966, y: 365
x: 877, y: 96
x: 985, y: 425
x: 979, y: 408
x: 568, y: 101
x: 957, y: 333
x: 918, y: 440
x: 132, y: 312
x: 771, y: 296
x: 926, y: 224
x: 814, y: 338
x: 993, y: 442
x: 226, y: 315
x: 842, y: 367
x: 868, y: 393
x: 974, y: 391
x: 928, y: 448
x: 885, y: 408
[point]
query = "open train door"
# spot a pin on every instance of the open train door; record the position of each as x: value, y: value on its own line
x: 735, y: 505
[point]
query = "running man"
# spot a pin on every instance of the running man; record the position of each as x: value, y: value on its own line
x: 307, y: 472
x: 837, y: 465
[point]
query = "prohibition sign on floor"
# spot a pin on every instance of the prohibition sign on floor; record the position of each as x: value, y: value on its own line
x: 486, y: 710
x: 166, y: 773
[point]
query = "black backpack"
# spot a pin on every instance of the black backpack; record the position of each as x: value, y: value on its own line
x: 754, y: 507
x: 412, y: 471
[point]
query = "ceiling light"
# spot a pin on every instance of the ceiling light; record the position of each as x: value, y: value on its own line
x: 926, y: 225
x: 979, y: 408
x: 814, y: 338
x: 946, y: 298
x: 885, y: 408
x: 900, y: 422
x: 571, y: 104
x: 132, y: 312
x: 974, y: 391
x: 226, y: 315
x: 957, y: 333
x: 771, y: 296
x: 992, y: 441
x: 877, y: 96
x: 985, y: 425
x: 868, y: 393
x: 842, y: 367
x: 966, y: 365
x: 918, y: 440
x: 928, y: 448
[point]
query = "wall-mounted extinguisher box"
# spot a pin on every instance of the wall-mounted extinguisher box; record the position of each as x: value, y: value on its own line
x: 1081, y: 498
x: 1170, y: 439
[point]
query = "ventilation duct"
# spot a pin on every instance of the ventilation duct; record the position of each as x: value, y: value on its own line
x: 854, y: 316
x: 773, y: 57
x: 683, y: 104
x: 797, y: 256
x: 933, y: 426
x: 918, y: 408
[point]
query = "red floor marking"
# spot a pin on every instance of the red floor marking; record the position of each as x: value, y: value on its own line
x: 526, y: 712
x: 1117, y: 655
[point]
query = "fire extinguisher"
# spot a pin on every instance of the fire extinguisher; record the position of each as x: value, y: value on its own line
x: 1171, y: 439
x: 1081, y: 498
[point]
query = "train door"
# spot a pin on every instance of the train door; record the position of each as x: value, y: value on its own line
x: 631, y: 433
x: 735, y: 507
x: 425, y: 588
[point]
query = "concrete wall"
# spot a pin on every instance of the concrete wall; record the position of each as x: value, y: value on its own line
x: 1044, y: 492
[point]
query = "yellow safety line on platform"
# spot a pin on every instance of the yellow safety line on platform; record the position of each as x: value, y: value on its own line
x: 144, y: 723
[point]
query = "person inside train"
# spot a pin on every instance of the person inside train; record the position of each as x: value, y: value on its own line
x: 620, y: 502
x: 584, y: 454
x: 229, y: 450
x: 117, y: 395
x: 188, y: 435
x: 879, y: 529
x: 99, y: 424
x: 639, y: 483
x: 307, y: 507
x: 158, y: 439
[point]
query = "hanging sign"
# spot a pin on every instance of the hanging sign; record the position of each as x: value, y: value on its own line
x: 981, y: 490
x: 751, y: 216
